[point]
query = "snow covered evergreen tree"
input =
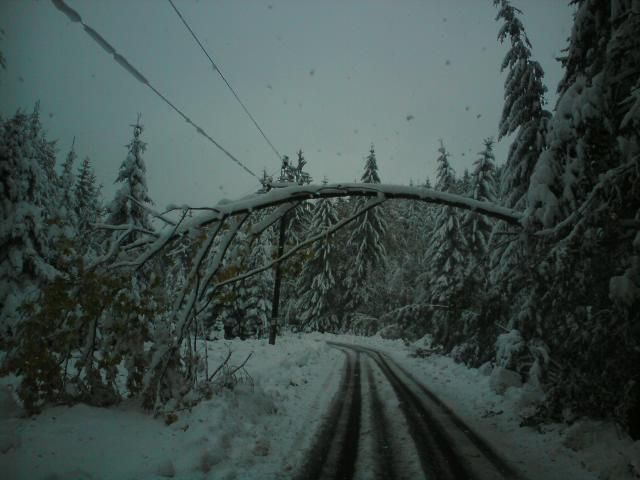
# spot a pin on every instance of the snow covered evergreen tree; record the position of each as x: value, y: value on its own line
x: 445, y: 257
x: 523, y: 110
x: 128, y: 206
x: 300, y: 220
x: 88, y: 207
x: 317, y: 307
x: 366, y: 244
x: 67, y: 185
x: 583, y: 191
x: 245, y: 307
x: 25, y: 241
x: 523, y: 114
x: 482, y: 187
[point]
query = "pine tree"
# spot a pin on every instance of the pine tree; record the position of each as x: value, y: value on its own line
x: 523, y: 110
x: 25, y: 243
x: 136, y: 306
x: 128, y: 206
x: 482, y: 187
x: 67, y: 185
x: 366, y: 243
x: 464, y: 184
x: 317, y: 286
x: 299, y: 221
x: 88, y: 207
x: 584, y: 300
x: 445, y: 258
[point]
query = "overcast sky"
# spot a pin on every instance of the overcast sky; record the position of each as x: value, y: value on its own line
x: 330, y: 77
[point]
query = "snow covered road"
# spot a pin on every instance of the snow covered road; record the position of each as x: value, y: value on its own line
x: 384, y: 424
x: 316, y: 406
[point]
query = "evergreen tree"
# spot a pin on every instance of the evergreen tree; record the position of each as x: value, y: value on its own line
x: 464, y: 184
x: 365, y: 243
x: 482, y: 187
x: 317, y: 286
x: 584, y: 300
x: 523, y: 110
x: 260, y: 286
x: 445, y: 257
x: 3, y: 61
x: 88, y: 207
x: 67, y: 185
x: 25, y: 243
x: 128, y: 206
x: 299, y: 221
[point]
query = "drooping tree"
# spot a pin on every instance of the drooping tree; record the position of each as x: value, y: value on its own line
x: 523, y: 112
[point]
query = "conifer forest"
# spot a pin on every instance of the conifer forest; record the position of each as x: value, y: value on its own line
x: 522, y: 262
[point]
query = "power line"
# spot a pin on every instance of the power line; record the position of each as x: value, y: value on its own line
x: 217, y: 69
x: 135, y: 73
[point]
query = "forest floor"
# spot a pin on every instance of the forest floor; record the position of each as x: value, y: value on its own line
x: 264, y: 426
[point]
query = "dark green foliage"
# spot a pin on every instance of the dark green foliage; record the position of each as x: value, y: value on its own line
x: 72, y: 340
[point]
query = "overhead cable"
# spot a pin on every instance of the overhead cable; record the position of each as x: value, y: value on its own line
x: 134, y: 72
x: 217, y: 69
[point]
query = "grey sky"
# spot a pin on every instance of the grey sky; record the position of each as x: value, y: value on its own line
x: 329, y: 77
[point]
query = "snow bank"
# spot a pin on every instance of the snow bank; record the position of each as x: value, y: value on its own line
x: 587, y: 450
x: 255, y: 430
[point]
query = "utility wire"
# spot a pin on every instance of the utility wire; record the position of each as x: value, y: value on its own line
x: 124, y: 63
x: 217, y: 69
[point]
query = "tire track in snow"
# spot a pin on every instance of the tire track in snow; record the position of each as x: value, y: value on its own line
x: 324, y: 395
x: 439, y: 445
x: 334, y: 452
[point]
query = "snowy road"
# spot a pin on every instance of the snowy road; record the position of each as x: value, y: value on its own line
x: 384, y: 424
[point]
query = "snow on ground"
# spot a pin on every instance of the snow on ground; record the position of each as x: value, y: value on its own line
x: 586, y: 450
x: 260, y: 429
x: 253, y: 431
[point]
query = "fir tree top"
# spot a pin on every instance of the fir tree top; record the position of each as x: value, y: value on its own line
x: 370, y: 174
x: 484, y: 174
x: 127, y: 206
x: 523, y: 88
x: 445, y: 176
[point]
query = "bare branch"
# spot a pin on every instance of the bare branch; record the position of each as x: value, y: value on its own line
x: 215, y: 372
x: 232, y: 372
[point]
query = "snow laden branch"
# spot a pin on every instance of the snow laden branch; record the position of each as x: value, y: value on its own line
x: 309, y: 192
x: 608, y: 181
x: 287, y: 198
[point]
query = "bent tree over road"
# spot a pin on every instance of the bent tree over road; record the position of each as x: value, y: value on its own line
x: 384, y: 424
